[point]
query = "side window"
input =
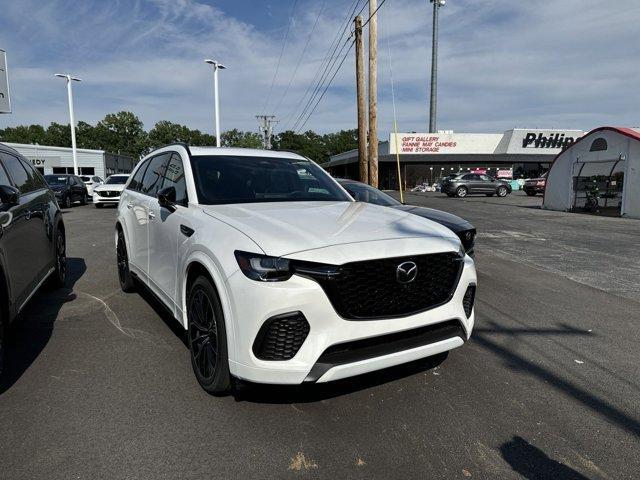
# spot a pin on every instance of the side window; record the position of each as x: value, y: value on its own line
x: 174, y: 177
x: 153, y: 176
x: 136, y: 181
x: 17, y: 172
x: 485, y: 178
x: 4, y: 179
x: 35, y: 178
x: 469, y: 176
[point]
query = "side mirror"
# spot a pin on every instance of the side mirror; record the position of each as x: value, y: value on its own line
x: 9, y: 195
x: 167, y: 198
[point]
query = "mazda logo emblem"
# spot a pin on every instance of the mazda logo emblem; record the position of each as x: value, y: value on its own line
x: 406, y: 272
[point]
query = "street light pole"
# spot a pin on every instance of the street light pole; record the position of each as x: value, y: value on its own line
x: 216, y: 104
x: 72, y: 120
x: 434, y: 66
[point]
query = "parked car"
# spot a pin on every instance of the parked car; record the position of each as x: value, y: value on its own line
x: 109, y: 192
x: 464, y: 184
x: 68, y: 189
x: 534, y: 186
x: 32, y: 237
x: 362, y: 192
x: 278, y: 276
x: 91, y: 181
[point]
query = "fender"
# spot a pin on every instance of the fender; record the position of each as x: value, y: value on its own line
x: 219, y: 281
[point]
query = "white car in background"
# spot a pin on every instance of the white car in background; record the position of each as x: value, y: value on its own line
x: 109, y: 192
x: 279, y: 276
x: 91, y: 181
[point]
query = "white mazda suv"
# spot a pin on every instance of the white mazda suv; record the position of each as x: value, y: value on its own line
x: 278, y: 276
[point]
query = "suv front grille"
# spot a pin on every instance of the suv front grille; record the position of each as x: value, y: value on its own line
x: 108, y: 193
x: 370, y: 289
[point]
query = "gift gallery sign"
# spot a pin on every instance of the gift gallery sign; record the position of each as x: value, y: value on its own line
x: 438, y: 143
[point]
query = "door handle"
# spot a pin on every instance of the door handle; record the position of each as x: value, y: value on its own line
x: 186, y: 231
x: 152, y: 215
x: 129, y: 205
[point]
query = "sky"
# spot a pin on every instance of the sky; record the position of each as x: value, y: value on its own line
x: 502, y: 63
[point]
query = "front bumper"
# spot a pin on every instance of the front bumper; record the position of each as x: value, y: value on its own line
x: 261, y: 301
x: 105, y: 200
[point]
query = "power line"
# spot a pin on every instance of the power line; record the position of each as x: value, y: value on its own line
x: 328, y: 85
x: 337, y: 70
x: 321, y: 72
x: 284, y: 44
x: 304, y: 50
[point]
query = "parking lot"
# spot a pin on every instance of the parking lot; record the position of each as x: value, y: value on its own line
x: 100, y: 382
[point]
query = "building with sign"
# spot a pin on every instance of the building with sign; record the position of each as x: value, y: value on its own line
x: 599, y: 173
x: 58, y: 160
x: 427, y: 157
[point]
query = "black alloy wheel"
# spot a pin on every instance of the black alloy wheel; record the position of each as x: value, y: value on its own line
x: 502, y: 191
x: 207, y: 338
x: 127, y: 284
x: 59, y: 277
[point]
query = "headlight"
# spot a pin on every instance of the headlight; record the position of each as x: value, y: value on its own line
x: 263, y: 268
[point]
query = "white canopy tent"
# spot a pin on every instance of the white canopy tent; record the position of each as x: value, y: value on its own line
x: 605, y: 161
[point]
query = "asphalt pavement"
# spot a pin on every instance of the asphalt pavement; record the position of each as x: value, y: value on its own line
x: 100, y: 384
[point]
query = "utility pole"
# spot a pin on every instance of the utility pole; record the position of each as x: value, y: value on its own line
x: 373, y: 93
x: 265, y: 123
x: 434, y: 66
x: 362, y: 115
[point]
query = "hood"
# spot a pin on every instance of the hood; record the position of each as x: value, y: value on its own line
x: 285, y: 228
x: 111, y: 187
x: 449, y: 220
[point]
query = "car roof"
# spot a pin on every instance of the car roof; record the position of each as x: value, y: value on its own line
x: 242, y: 152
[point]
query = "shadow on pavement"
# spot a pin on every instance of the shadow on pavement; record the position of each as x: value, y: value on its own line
x: 30, y: 333
x: 598, y: 405
x: 533, y: 464
x: 308, y: 393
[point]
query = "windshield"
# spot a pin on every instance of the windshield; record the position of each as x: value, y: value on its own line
x: 366, y: 193
x: 56, y: 180
x: 119, y: 180
x: 227, y: 179
x: 85, y: 178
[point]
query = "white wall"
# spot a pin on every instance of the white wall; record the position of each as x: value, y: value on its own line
x: 49, y: 157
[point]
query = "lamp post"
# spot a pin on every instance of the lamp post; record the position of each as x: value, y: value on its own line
x: 72, y: 120
x: 216, y: 105
x: 434, y: 66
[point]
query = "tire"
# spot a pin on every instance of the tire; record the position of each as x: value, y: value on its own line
x: 530, y: 193
x: 502, y: 191
x: 461, y: 192
x: 127, y: 283
x: 59, y: 276
x: 207, y: 338
x: 67, y: 202
x: 84, y: 199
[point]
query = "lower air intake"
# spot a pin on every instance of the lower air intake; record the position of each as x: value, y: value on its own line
x: 281, y: 337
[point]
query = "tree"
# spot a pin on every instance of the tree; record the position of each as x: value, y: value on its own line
x: 343, y: 141
x: 165, y: 133
x: 58, y: 135
x: 123, y: 133
x: 24, y: 134
x: 237, y: 138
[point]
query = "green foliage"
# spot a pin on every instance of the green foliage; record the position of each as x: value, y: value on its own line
x: 124, y: 133
x: 236, y: 138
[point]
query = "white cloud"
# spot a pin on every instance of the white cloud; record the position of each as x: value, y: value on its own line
x: 502, y: 63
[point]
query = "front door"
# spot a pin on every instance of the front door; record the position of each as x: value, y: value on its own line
x: 24, y: 236
x: 166, y: 232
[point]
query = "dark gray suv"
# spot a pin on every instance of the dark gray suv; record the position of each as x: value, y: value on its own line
x: 463, y: 184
